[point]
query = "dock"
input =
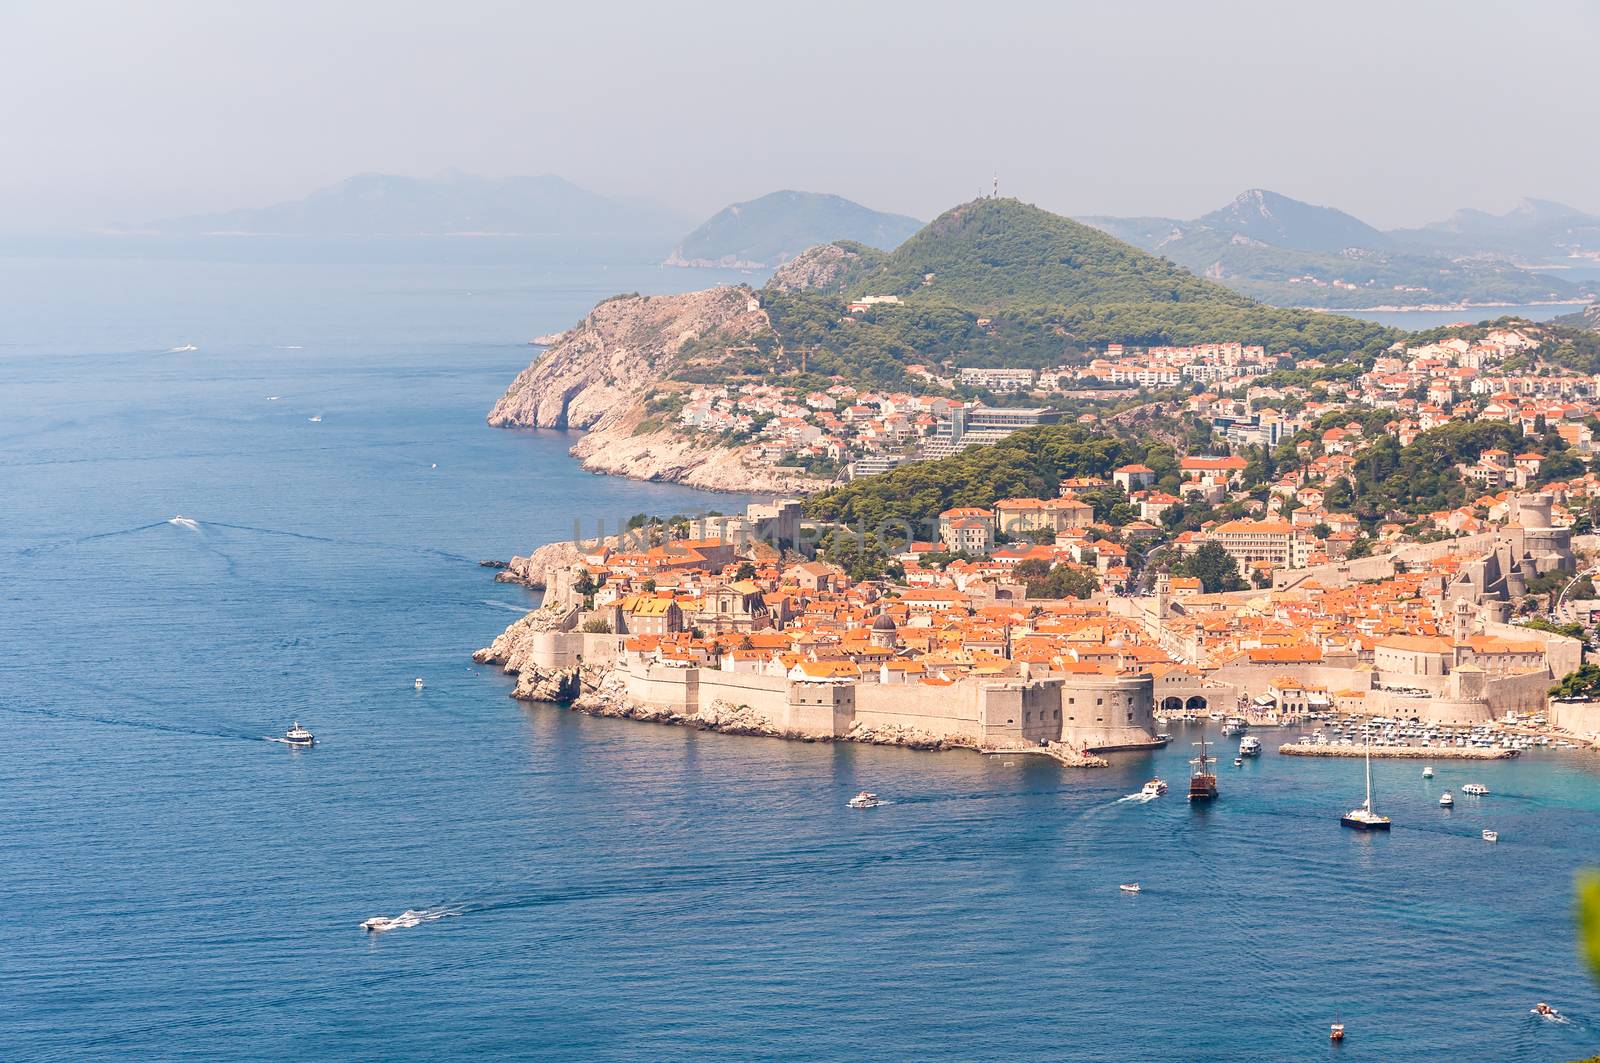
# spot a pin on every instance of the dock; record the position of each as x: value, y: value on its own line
x: 1305, y: 749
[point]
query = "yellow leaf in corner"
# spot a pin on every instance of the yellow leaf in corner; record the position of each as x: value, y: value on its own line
x: 1589, y: 919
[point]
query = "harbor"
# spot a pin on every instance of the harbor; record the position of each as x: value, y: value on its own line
x: 1306, y: 749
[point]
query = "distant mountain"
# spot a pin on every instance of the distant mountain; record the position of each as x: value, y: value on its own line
x: 388, y: 205
x: 1283, y: 222
x: 1588, y: 318
x: 772, y: 230
x: 1536, y: 230
x: 1289, y: 253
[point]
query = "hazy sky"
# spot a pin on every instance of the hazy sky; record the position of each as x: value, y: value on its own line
x: 1398, y: 111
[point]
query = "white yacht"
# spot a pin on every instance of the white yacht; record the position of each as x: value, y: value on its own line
x: 1491, y: 835
x: 1152, y: 789
x: 1427, y: 773
x: 1249, y: 746
x: 1475, y: 789
x: 1445, y: 800
x: 1365, y: 817
x: 299, y: 736
x: 865, y: 799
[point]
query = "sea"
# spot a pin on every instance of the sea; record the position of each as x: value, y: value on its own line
x: 244, y: 485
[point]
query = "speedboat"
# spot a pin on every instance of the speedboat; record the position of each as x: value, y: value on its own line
x: 1475, y: 789
x: 1445, y: 800
x: 1130, y: 887
x: 418, y: 684
x: 1427, y: 773
x: 315, y: 420
x: 1491, y: 835
x: 865, y: 799
x: 379, y: 923
x: 1238, y: 762
x: 1545, y: 1011
x: 1153, y: 788
x: 299, y: 736
x: 1249, y: 746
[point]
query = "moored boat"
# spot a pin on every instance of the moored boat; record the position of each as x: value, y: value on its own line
x: 1491, y: 835
x: 1445, y: 800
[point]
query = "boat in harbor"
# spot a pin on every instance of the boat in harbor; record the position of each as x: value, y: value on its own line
x: 299, y: 736
x: 1475, y: 789
x: 1202, y: 781
x: 865, y: 799
x: 1491, y: 835
x: 1153, y: 788
x: 1365, y: 817
x: 1232, y: 727
x: 1130, y: 887
x: 1249, y: 746
x: 1446, y: 801
x: 1427, y: 773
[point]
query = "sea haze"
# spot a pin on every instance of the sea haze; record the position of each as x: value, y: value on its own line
x: 177, y: 887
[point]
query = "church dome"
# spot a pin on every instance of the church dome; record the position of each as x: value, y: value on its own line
x: 884, y: 622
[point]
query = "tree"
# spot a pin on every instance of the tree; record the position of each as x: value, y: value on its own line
x: 746, y: 570
x: 1581, y: 684
x: 1214, y: 567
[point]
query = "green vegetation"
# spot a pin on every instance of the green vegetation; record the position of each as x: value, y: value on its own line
x: 1213, y: 566
x: 1582, y: 684
x: 598, y: 625
x: 1030, y: 463
x: 1060, y: 581
x: 1588, y: 891
x: 1418, y: 478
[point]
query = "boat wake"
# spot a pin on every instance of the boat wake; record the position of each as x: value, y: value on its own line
x: 409, y: 918
x: 513, y: 606
x: 185, y: 522
x: 1141, y: 797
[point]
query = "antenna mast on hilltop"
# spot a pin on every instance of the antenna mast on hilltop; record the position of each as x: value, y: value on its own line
x: 995, y: 193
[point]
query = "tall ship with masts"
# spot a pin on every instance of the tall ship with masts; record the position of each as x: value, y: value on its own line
x: 1365, y: 817
x: 1202, y: 781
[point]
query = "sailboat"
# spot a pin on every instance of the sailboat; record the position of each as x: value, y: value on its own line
x: 1364, y: 818
x: 1202, y: 781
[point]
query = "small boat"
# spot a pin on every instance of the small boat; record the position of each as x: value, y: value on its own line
x: 1202, y: 781
x: 865, y: 799
x: 379, y: 923
x: 1336, y: 1032
x: 418, y: 684
x: 1130, y: 887
x: 1475, y: 789
x: 315, y: 420
x: 1153, y: 788
x: 1427, y: 773
x: 1445, y: 800
x: 187, y: 347
x: 1545, y: 1011
x: 1491, y: 835
x: 1249, y: 746
x: 1164, y: 736
x: 1365, y: 817
x: 1238, y: 762
x: 299, y: 736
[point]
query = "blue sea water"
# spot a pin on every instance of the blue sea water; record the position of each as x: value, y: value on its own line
x: 176, y: 887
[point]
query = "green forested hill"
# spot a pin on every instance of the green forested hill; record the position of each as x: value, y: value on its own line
x: 1000, y: 253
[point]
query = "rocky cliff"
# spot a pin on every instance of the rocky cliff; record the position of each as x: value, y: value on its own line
x: 599, y: 371
x: 596, y: 377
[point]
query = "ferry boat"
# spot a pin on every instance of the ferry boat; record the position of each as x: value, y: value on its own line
x: 1249, y: 746
x: 865, y: 799
x: 1445, y: 800
x: 1153, y: 788
x: 1491, y: 835
x: 299, y: 736
x: 1365, y: 817
x: 1475, y: 789
x: 1202, y: 781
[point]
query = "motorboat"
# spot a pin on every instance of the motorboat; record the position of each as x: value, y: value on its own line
x: 1232, y: 728
x: 1427, y: 773
x: 299, y: 736
x: 1249, y: 746
x: 1445, y: 800
x: 1336, y: 1032
x: 418, y: 684
x: 1545, y: 1011
x: 315, y: 420
x: 1238, y: 762
x: 865, y: 799
x: 1475, y: 789
x: 1365, y: 817
x: 1491, y: 835
x: 1153, y: 788
x: 379, y: 923
x: 1130, y: 887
